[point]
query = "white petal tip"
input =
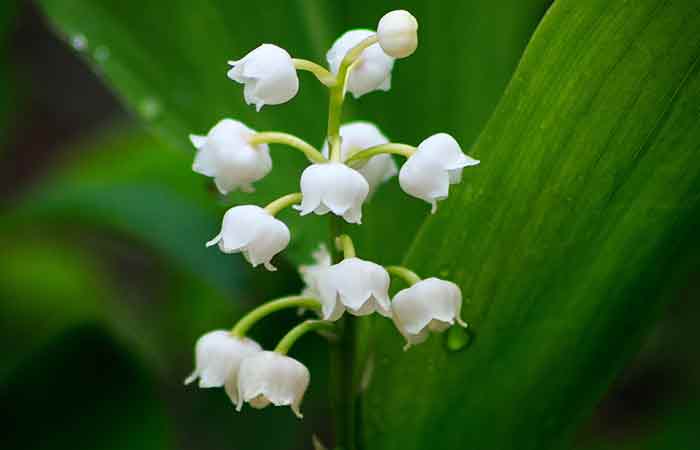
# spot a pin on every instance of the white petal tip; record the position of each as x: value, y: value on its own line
x: 462, y: 323
x: 213, y: 241
x: 190, y: 379
x: 433, y: 207
x: 270, y: 267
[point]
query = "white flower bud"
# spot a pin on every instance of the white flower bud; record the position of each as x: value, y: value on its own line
x: 218, y: 356
x: 226, y: 155
x: 371, y: 71
x: 310, y: 273
x: 429, y: 305
x: 253, y: 231
x: 356, y: 136
x: 268, y: 74
x: 437, y: 163
x: 398, y: 33
x: 269, y: 377
x: 358, y: 286
x: 333, y: 187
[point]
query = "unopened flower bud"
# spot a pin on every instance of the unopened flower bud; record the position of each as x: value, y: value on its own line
x: 398, y: 33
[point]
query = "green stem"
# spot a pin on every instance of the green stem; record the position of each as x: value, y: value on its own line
x: 323, y: 75
x: 405, y: 274
x: 283, y: 202
x: 274, y: 137
x: 298, y: 331
x: 247, y: 321
x: 396, y: 149
x: 345, y: 244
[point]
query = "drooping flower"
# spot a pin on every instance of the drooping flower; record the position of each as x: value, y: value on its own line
x: 253, y: 231
x: 437, y: 163
x: 310, y: 273
x: 371, y: 71
x: 358, y: 286
x: 218, y: 356
x: 333, y: 187
x: 268, y: 74
x: 226, y: 155
x: 269, y: 377
x: 398, y: 33
x: 429, y: 305
x: 356, y: 136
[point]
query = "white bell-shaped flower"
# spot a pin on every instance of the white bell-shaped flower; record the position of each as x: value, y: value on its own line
x: 358, y: 286
x: 218, y: 356
x: 311, y: 272
x: 398, y: 33
x: 437, y: 163
x: 429, y: 305
x: 333, y: 187
x: 226, y: 155
x: 372, y: 69
x: 269, y: 377
x: 268, y: 74
x: 356, y: 136
x: 253, y: 231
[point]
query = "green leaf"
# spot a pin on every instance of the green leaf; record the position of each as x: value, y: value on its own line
x: 587, y: 190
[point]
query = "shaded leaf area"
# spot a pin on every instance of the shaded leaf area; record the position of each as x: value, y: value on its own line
x: 7, y: 14
x: 584, y: 200
x: 168, y: 62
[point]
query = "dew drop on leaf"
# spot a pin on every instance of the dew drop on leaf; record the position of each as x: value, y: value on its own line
x: 101, y: 54
x: 79, y: 42
x: 149, y: 108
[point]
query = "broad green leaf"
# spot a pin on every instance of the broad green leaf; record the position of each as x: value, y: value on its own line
x: 587, y: 191
x: 167, y: 59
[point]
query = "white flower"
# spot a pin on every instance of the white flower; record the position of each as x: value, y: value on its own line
x: 218, y: 355
x: 333, y: 187
x: 356, y: 136
x: 269, y: 377
x: 310, y: 273
x: 429, y: 305
x: 436, y: 164
x: 372, y: 69
x: 358, y: 286
x: 251, y: 230
x: 226, y: 155
x: 398, y: 33
x: 268, y: 74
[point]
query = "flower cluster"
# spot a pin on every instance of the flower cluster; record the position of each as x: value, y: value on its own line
x: 354, y: 160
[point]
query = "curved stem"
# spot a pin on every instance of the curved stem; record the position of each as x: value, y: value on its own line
x: 283, y: 202
x: 274, y: 137
x: 393, y: 148
x: 344, y: 243
x: 323, y: 74
x: 297, y: 301
x: 405, y: 274
x: 298, y: 331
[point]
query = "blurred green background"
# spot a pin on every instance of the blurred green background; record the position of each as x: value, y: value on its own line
x: 105, y: 283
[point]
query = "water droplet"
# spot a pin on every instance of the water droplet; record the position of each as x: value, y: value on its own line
x: 150, y: 108
x: 79, y: 42
x: 101, y: 54
x: 457, y: 338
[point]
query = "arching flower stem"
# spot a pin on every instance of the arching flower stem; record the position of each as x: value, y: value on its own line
x: 337, y: 95
x: 274, y: 137
x: 344, y: 243
x: 298, y: 331
x: 405, y: 274
x: 393, y: 148
x: 264, y: 310
x: 283, y: 202
x: 323, y: 74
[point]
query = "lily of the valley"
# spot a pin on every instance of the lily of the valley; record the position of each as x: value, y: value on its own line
x: 226, y: 155
x: 271, y: 378
x: 372, y: 69
x: 398, y: 33
x: 333, y: 187
x: 358, y: 286
x: 310, y: 273
x: 356, y: 136
x: 253, y: 231
x: 218, y: 356
x: 428, y: 305
x: 268, y: 74
x: 437, y: 163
